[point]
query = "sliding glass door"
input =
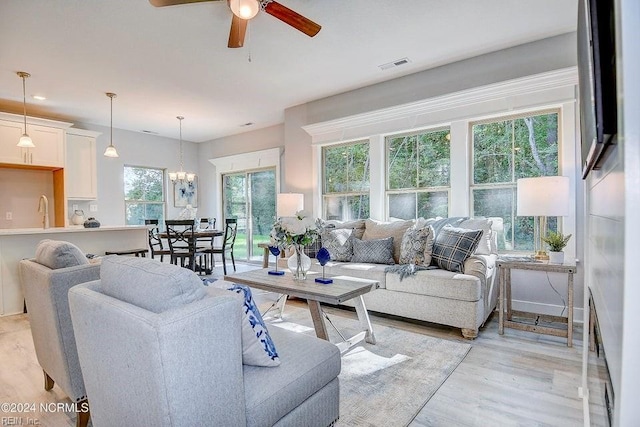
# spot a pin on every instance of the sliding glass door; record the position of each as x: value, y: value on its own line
x: 250, y: 196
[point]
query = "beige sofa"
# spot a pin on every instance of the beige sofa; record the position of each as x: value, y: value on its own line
x: 463, y: 300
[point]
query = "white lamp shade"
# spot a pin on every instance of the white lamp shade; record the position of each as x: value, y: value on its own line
x: 543, y: 196
x: 25, y: 141
x: 289, y: 203
x: 244, y: 9
x: 111, y: 151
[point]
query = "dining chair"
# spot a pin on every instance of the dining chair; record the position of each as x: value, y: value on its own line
x: 155, y: 242
x: 230, y: 231
x: 183, y: 243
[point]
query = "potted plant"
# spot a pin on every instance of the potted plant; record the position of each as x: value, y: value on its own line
x: 556, y: 242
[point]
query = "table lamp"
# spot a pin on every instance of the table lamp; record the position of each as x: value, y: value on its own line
x: 287, y: 204
x: 542, y: 197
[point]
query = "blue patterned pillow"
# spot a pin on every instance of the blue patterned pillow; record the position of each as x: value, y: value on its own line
x: 453, y: 246
x: 258, y: 348
x: 376, y: 251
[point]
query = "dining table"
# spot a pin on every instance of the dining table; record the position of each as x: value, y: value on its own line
x: 200, y: 234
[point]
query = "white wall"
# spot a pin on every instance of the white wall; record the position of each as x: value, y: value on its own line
x: 134, y: 149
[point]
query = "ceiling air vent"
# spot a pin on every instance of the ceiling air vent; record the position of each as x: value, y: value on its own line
x: 396, y: 63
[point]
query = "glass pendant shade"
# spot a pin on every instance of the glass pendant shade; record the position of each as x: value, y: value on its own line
x: 111, y: 151
x: 25, y: 141
x: 173, y: 176
x: 191, y: 177
x: 244, y: 9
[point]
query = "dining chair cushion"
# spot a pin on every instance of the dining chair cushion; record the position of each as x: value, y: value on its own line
x: 258, y: 348
x: 57, y: 254
x: 150, y: 284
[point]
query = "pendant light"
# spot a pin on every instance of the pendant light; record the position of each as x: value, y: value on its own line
x: 181, y: 175
x: 111, y: 150
x: 25, y: 140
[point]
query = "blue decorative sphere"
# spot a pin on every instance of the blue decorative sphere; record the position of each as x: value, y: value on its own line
x: 274, y: 250
x: 323, y: 256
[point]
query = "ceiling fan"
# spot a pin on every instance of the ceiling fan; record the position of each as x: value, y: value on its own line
x: 244, y: 10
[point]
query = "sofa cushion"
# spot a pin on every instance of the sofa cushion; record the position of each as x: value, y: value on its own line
x: 338, y: 242
x: 438, y: 283
x: 258, y: 348
x: 379, y: 251
x: 358, y: 226
x: 380, y: 230
x: 453, y: 246
x: 150, y: 284
x: 417, y: 245
x: 59, y: 254
x: 485, y: 246
x: 307, y: 364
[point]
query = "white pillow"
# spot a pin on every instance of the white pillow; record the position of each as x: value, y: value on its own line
x: 258, y: 348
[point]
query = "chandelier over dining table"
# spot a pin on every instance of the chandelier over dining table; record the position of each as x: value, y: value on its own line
x: 181, y: 175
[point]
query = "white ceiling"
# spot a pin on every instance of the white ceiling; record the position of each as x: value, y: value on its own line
x: 164, y: 62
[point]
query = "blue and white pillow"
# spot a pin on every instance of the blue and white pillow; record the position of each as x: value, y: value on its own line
x: 258, y: 348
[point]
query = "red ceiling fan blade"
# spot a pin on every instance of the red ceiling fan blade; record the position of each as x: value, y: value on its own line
x: 162, y: 3
x: 292, y: 18
x: 238, y: 30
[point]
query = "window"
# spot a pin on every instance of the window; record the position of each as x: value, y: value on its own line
x: 418, y: 169
x: 345, y: 194
x: 143, y: 194
x: 504, y: 150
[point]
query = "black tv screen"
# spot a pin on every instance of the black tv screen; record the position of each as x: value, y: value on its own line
x: 597, y: 74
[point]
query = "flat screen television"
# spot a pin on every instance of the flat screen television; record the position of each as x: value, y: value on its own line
x: 597, y: 76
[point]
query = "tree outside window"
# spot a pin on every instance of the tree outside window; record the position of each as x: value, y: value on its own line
x: 505, y: 150
x: 143, y: 195
x: 418, y: 174
x: 346, y: 181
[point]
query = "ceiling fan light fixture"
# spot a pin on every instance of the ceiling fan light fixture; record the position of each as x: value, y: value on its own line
x: 244, y: 9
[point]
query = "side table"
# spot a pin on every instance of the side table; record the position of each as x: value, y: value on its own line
x: 504, y: 299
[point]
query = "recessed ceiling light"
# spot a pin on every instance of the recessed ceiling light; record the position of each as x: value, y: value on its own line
x: 39, y: 97
x: 247, y: 124
x: 149, y: 132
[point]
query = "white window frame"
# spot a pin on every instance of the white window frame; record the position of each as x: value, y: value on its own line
x: 146, y: 202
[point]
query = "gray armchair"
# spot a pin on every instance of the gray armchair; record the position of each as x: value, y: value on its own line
x: 45, y: 290
x: 158, y: 348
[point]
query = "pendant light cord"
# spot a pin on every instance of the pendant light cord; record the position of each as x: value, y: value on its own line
x: 111, y: 124
x: 180, y: 118
x: 24, y: 102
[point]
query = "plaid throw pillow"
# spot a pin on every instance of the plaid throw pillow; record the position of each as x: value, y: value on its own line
x: 453, y: 246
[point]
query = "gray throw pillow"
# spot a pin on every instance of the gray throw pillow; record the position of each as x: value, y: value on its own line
x: 453, y: 246
x: 417, y: 245
x: 59, y: 254
x: 150, y: 284
x: 378, y: 251
x: 339, y: 243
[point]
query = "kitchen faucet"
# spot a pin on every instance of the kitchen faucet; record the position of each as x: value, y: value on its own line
x: 43, y: 207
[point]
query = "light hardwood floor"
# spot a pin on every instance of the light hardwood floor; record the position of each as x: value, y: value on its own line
x: 517, y: 379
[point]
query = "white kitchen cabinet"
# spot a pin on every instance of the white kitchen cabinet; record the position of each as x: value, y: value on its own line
x: 80, y: 172
x: 47, y: 136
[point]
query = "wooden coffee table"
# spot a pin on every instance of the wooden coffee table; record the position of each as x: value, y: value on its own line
x: 343, y: 288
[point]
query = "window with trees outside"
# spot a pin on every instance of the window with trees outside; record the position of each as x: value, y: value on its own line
x: 144, y: 196
x: 505, y: 150
x: 345, y: 191
x: 418, y: 169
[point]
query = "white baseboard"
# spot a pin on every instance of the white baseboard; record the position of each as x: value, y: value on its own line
x: 551, y: 309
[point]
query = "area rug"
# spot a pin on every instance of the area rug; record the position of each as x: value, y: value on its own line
x: 386, y: 384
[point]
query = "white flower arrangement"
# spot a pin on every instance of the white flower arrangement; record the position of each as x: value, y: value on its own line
x: 298, y: 230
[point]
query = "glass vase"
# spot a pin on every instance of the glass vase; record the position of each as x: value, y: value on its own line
x: 299, y: 263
